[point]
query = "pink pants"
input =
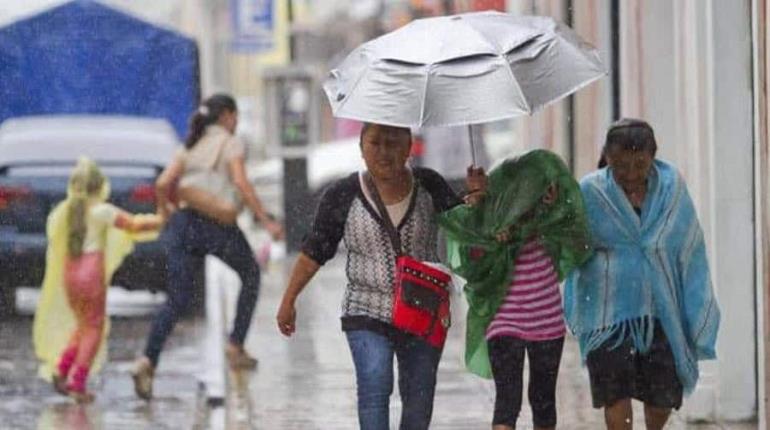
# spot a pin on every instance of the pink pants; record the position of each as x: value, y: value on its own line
x: 86, y: 292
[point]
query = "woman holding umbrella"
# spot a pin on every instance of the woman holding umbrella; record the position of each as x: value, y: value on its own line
x: 642, y: 307
x: 349, y: 212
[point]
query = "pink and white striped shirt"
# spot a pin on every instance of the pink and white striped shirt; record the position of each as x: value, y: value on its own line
x: 532, y: 309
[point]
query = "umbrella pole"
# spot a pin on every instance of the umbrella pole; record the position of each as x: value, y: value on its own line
x: 473, y: 145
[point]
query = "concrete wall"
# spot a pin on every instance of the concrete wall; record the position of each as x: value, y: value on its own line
x: 733, y: 208
x: 762, y: 195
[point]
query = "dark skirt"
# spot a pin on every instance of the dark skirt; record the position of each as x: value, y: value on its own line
x: 623, y: 373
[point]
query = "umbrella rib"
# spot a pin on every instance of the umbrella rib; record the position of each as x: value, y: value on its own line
x: 516, y: 82
x: 572, y: 91
x: 484, y: 38
x: 424, y: 94
x: 352, y: 89
x: 578, y: 87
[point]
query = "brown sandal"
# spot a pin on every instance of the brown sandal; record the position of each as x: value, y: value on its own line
x: 81, y: 397
x: 143, y: 375
x: 239, y: 359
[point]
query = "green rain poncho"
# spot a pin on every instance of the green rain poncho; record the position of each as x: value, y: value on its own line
x: 513, y: 203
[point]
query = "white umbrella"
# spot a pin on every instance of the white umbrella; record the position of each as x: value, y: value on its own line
x: 462, y: 70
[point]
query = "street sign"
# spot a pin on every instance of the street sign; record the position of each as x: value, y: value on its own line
x: 253, y: 24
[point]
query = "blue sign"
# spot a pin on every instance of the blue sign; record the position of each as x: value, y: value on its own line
x: 253, y: 25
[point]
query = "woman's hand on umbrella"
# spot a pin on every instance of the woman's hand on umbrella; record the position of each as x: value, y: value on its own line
x: 286, y: 318
x: 476, y: 183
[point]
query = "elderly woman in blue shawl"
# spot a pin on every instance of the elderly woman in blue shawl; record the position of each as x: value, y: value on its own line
x: 642, y: 307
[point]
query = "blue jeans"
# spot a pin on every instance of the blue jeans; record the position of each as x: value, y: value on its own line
x: 417, y: 365
x: 190, y: 237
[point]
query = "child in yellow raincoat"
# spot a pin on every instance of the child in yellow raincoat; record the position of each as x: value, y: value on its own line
x: 88, y: 239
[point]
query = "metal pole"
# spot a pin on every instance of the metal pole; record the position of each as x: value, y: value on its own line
x: 571, y: 120
x: 615, y: 57
x: 292, y: 40
x: 473, y: 145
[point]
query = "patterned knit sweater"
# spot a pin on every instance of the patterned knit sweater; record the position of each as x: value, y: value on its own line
x: 345, y: 214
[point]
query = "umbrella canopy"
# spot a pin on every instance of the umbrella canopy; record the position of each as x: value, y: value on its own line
x: 462, y: 69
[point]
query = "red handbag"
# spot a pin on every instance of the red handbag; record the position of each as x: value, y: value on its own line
x: 420, y: 293
x: 421, y: 300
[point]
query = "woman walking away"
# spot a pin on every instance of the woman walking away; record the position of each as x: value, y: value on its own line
x: 642, y: 307
x: 87, y: 240
x: 513, y: 248
x: 367, y: 210
x: 212, y: 188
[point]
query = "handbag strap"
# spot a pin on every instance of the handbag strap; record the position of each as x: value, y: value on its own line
x: 211, y: 166
x: 220, y: 151
x: 395, y: 238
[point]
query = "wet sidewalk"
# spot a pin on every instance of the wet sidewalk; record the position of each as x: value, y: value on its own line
x: 27, y: 402
x: 307, y: 382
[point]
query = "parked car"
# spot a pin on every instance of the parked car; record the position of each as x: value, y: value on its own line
x: 36, y: 157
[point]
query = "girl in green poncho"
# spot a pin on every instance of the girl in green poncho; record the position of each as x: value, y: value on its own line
x: 513, y: 249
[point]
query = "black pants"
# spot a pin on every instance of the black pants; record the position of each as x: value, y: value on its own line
x: 506, y: 354
x: 190, y: 237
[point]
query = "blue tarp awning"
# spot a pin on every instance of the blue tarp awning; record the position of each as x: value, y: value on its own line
x: 86, y: 58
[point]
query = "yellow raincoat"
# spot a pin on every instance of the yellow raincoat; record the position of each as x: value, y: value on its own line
x: 54, y: 319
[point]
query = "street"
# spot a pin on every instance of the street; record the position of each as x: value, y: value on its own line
x: 27, y: 402
x: 305, y: 382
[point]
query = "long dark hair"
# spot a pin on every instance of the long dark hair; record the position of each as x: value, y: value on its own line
x: 629, y: 134
x: 208, y: 113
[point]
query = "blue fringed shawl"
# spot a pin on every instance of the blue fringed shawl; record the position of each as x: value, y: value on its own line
x: 647, y: 268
